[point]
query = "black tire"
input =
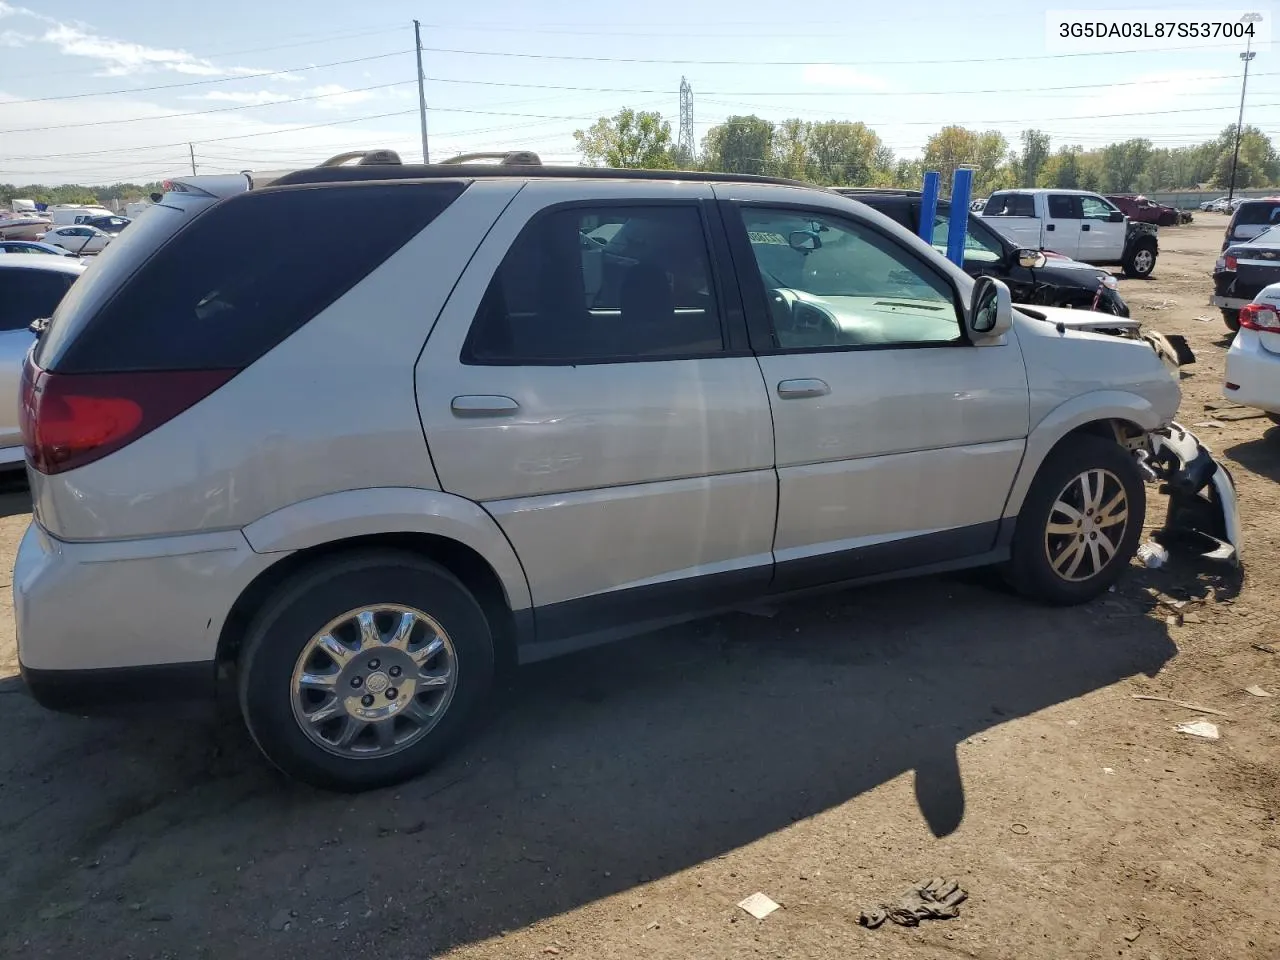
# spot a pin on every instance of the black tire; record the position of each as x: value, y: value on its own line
x: 1137, y: 266
x: 1030, y: 570
x: 1232, y: 319
x: 1274, y: 418
x: 310, y: 600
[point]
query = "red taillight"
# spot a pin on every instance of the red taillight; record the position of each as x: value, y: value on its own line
x: 1230, y: 263
x: 69, y: 420
x: 1255, y: 316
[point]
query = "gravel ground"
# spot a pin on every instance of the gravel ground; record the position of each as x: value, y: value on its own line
x: 830, y: 753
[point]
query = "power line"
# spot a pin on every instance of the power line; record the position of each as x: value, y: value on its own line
x: 201, y: 113
x: 318, y: 38
x: 815, y: 63
x: 198, y: 83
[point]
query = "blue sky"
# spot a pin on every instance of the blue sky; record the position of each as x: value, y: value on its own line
x: 61, y: 60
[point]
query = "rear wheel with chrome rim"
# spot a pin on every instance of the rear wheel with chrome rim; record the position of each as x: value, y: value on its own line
x: 363, y: 670
x: 1080, y: 522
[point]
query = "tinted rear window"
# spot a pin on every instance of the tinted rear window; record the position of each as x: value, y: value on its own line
x: 1258, y: 212
x: 27, y: 295
x: 245, y: 274
x: 1010, y: 205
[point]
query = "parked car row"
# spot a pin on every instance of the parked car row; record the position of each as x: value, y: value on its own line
x: 1250, y: 257
x: 631, y: 399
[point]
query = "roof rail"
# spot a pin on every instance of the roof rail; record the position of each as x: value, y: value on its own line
x: 363, y: 157
x: 512, y: 158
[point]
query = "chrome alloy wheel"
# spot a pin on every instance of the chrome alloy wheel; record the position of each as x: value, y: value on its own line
x: 1086, y: 526
x: 1144, y: 261
x: 374, y: 681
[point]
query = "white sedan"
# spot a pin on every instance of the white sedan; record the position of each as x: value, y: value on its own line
x: 80, y: 238
x: 1253, y: 362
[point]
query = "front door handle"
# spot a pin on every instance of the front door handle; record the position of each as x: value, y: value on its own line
x: 800, y: 389
x: 1084, y: 226
x: 483, y: 406
x: 1050, y: 227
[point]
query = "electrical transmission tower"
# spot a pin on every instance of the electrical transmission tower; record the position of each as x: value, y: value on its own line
x: 684, y: 142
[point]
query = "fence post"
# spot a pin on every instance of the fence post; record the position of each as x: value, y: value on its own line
x: 929, y: 205
x: 958, y: 224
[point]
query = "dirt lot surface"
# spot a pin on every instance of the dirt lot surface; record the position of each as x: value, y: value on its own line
x: 620, y: 802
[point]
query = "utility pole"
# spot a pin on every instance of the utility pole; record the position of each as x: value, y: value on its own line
x: 1247, y: 56
x: 191, y: 147
x: 422, y: 94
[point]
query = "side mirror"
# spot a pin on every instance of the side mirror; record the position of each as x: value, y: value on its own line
x: 990, y: 309
x: 1116, y: 217
x: 1031, y: 259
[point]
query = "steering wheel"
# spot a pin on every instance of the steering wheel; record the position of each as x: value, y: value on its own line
x: 800, y: 323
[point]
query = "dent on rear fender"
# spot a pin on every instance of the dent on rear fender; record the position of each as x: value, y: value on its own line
x: 1069, y: 416
x: 389, y: 510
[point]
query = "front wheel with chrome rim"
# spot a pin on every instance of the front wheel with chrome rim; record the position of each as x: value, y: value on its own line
x: 363, y: 670
x: 1080, y: 522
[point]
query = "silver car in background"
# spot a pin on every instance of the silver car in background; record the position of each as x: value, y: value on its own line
x: 31, y: 287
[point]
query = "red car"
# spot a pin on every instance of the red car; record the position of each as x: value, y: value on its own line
x: 1147, y: 211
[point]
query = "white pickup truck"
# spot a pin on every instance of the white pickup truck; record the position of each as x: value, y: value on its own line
x: 1075, y: 224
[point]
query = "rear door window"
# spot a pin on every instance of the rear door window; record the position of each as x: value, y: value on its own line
x: 242, y: 276
x: 590, y: 284
x: 1010, y: 205
x: 1063, y: 206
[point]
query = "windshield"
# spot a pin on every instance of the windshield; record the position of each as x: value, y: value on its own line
x: 979, y: 245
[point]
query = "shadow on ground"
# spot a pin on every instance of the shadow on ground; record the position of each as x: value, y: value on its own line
x: 598, y: 772
x: 1261, y: 456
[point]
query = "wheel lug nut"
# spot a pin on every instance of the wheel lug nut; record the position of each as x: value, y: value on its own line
x: 394, y: 671
x: 392, y: 693
x: 373, y: 664
x: 357, y: 682
x: 367, y: 700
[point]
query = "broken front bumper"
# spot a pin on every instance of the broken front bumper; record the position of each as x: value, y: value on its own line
x: 1203, y: 513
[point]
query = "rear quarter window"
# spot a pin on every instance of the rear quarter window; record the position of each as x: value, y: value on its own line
x: 243, y: 275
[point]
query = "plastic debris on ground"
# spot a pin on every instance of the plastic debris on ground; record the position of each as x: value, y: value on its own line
x: 936, y: 899
x: 758, y: 905
x: 1256, y: 691
x: 1200, y: 728
x: 1153, y: 555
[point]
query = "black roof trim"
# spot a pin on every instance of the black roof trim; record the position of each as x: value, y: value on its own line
x: 877, y: 192
x: 454, y: 171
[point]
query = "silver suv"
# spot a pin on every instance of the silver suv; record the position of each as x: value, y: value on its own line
x: 536, y: 409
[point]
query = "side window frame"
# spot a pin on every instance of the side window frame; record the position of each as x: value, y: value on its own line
x: 755, y: 297
x: 728, y: 297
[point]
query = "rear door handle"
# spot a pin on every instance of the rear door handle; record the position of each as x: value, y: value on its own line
x: 800, y: 389
x: 483, y: 406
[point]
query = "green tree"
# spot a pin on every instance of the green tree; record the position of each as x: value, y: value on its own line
x: 739, y: 145
x: 1034, y: 155
x: 1122, y: 163
x: 844, y: 153
x: 629, y: 140
x: 986, y: 152
x: 789, y: 148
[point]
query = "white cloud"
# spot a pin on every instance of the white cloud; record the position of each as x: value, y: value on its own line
x: 335, y: 96
x: 242, y: 96
x: 121, y: 58
x: 157, y: 148
x: 837, y: 75
x: 118, y: 58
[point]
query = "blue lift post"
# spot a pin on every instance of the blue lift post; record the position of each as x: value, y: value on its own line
x: 929, y: 205
x: 961, y: 188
